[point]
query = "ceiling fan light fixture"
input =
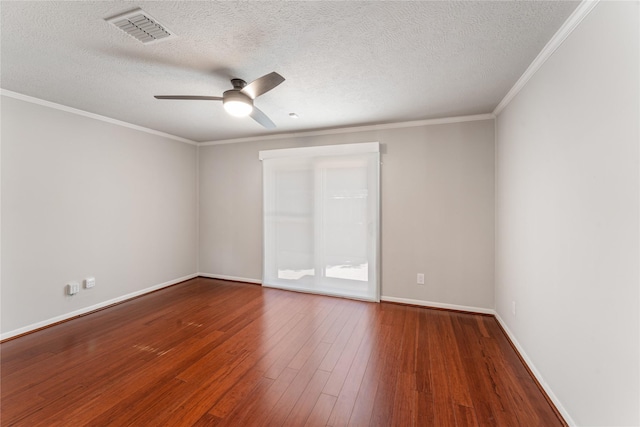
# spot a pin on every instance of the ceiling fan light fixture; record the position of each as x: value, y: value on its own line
x: 238, y: 108
x: 237, y: 104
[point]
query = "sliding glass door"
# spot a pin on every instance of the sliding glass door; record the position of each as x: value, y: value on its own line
x: 321, y: 219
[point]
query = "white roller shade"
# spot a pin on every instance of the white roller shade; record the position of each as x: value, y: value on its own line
x: 321, y: 219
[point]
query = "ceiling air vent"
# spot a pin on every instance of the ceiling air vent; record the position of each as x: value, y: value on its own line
x: 139, y: 24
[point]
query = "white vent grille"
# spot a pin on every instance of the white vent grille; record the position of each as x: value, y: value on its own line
x: 139, y: 24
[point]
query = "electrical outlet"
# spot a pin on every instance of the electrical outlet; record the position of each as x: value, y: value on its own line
x: 89, y: 282
x: 513, y: 307
x: 73, y: 288
x: 420, y: 279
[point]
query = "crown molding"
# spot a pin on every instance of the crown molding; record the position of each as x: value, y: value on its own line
x: 83, y: 113
x: 385, y: 126
x: 558, y: 38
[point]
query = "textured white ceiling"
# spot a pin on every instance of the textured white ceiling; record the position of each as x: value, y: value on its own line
x: 345, y: 63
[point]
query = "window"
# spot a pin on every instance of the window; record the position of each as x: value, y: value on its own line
x: 321, y: 219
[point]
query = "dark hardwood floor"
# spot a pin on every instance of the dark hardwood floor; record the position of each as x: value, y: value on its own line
x: 212, y: 353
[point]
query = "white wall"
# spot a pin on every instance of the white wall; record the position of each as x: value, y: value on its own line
x: 567, y: 219
x: 437, y: 218
x: 82, y: 197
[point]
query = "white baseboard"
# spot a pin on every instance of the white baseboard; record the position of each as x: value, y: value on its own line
x: 536, y: 373
x: 433, y: 304
x: 383, y: 298
x: 94, y: 307
x: 232, y: 278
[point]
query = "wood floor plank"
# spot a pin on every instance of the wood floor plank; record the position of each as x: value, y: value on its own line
x: 208, y: 352
x: 341, y: 339
x: 382, y: 410
x: 349, y: 352
x: 321, y: 411
x: 144, y: 408
x: 208, y: 420
x: 262, y: 402
x: 458, y: 383
x: 364, y: 403
x: 244, y: 406
x: 315, y: 338
x: 350, y: 387
x: 425, y: 410
x: 423, y: 356
x: 409, y: 341
x: 405, y: 401
x: 205, y: 393
x: 238, y: 393
x: 293, y: 343
x: 343, y: 317
x: 443, y: 397
x: 465, y: 416
x: 474, y: 365
x: 307, y: 401
x: 290, y: 397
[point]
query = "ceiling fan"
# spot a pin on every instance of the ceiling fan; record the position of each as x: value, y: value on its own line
x: 239, y: 100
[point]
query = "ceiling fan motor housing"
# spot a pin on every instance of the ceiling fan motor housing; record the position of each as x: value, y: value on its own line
x: 238, y: 83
